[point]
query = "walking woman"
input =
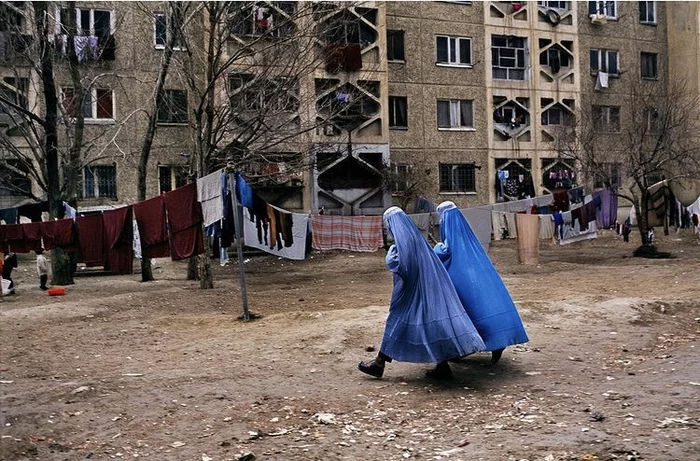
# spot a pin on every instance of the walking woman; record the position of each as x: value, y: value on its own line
x: 426, y: 322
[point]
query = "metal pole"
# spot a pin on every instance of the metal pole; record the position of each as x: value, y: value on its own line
x: 237, y: 222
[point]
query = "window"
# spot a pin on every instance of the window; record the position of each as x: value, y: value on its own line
x: 13, y: 90
x: 172, y: 108
x: 649, y: 67
x: 553, y: 5
x: 100, y: 181
x: 398, y: 112
x: 457, y: 177
x: 555, y: 58
x: 88, y: 22
x: 606, y: 174
x: 251, y: 93
x: 555, y: 116
x: 606, y: 119
x: 98, y: 104
x: 650, y: 118
x: 647, y: 12
x: 604, y: 61
x: 161, y: 31
x: 172, y: 177
x: 15, y: 177
x: 12, y: 17
x: 454, y: 51
x: 455, y: 113
x: 400, y: 174
x: 604, y: 8
x: 508, y: 57
x: 395, y: 45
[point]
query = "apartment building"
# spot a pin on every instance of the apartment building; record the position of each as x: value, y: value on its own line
x: 450, y: 100
x: 117, y: 48
x: 521, y: 71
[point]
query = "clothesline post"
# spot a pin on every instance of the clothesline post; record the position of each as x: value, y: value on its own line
x: 239, y: 246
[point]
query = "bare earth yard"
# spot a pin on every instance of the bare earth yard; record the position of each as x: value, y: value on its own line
x: 118, y: 369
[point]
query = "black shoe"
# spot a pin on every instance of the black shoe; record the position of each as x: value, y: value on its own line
x: 442, y: 371
x: 371, y: 368
x: 496, y: 355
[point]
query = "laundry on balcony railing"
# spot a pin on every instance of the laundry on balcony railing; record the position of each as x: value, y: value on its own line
x: 86, y: 47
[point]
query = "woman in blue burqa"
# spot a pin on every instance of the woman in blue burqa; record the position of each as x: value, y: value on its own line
x: 480, y: 288
x: 426, y: 322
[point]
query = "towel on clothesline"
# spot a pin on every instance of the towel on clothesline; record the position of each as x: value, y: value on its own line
x: 353, y: 233
x: 209, y: 195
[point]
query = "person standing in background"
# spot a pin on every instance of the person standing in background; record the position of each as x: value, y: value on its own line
x: 42, y: 267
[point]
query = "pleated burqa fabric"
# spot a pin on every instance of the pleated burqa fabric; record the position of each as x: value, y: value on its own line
x: 426, y: 321
x: 481, y: 290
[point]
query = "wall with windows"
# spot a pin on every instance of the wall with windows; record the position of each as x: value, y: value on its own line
x: 117, y: 55
x: 533, y: 92
x: 437, y: 88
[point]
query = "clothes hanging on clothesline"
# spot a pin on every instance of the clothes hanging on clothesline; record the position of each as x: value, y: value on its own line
x: 119, y: 240
x: 151, y: 222
x: 353, y: 233
x: 184, y: 222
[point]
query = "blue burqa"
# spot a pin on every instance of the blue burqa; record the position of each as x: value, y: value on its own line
x: 426, y: 321
x: 480, y: 288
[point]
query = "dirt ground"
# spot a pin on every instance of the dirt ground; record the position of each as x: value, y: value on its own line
x: 118, y: 369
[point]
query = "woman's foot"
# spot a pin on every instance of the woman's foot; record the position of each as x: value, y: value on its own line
x: 441, y: 371
x: 496, y: 355
x: 371, y: 368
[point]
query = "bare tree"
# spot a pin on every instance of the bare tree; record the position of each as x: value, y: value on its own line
x: 251, y: 89
x: 174, y: 21
x: 651, y: 136
x: 407, y: 180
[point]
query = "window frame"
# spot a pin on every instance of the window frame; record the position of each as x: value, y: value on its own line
x: 14, y: 182
x: 95, y: 184
x: 401, y: 172
x: 547, y: 114
x: 612, y: 170
x: 602, y: 7
x: 517, y: 52
x: 452, y: 188
x: 391, y: 45
x: 94, y: 107
x: 458, y: 103
x: 606, y: 61
x: 457, y: 51
x: 548, y: 5
x: 654, y: 65
x: 167, y: 19
x: 173, y: 172
x: 168, y: 101
x: 59, y: 23
x: 646, y: 21
x: 393, y: 119
x: 607, y: 112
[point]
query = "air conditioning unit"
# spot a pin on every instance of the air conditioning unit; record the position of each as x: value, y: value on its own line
x: 599, y: 19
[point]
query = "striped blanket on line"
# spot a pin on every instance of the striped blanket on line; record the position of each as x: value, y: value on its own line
x: 353, y: 233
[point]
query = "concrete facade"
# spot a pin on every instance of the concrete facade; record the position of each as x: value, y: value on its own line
x: 486, y: 87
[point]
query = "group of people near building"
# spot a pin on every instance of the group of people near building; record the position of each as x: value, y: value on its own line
x: 447, y: 302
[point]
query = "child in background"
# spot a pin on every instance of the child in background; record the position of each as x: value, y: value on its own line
x: 42, y: 267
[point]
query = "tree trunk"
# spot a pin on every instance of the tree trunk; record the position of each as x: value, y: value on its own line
x: 192, y: 272
x: 60, y: 262
x: 146, y: 269
x: 206, y: 280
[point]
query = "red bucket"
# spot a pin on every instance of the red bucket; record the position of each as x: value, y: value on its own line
x: 56, y: 291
